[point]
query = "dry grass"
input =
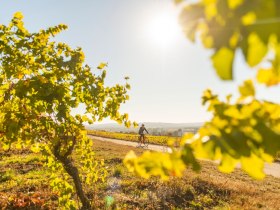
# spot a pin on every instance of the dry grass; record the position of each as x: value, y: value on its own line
x: 207, y: 189
x: 23, y: 179
x: 242, y: 191
x: 24, y: 182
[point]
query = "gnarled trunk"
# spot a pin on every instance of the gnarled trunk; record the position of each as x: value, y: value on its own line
x: 73, y: 172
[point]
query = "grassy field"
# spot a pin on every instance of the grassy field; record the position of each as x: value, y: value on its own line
x: 24, y: 185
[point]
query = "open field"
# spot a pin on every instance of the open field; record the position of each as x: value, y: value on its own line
x: 24, y: 185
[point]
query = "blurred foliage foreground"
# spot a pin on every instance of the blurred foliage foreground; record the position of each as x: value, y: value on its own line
x: 246, y: 131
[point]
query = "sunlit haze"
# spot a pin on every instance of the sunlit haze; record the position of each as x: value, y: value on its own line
x: 163, y: 28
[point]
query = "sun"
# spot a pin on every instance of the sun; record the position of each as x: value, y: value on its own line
x: 164, y: 29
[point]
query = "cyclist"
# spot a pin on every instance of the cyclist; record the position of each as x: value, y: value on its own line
x: 142, y: 135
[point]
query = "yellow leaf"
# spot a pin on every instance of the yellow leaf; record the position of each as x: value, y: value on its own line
x: 233, y: 41
x: 253, y: 165
x: 211, y: 10
x: 227, y: 164
x: 220, y: 123
x: 6, y: 147
x: 228, y: 98
x: 256, y: 50
x: 20, y: 75
x: 102, y: 65
x: 232, y: 4
x: 247, y: 89
x: 35, y: 148
x: 208, y: 41
x: 267, y: 76
x: 249, y: 18
x: 129, y: 160
x: 18, y: 15
x: 135, y: 124
x: 127, y: 124
x: 85, y: 118
x: 233, y: 112
x: 222, y: 61
x: 155, y: 164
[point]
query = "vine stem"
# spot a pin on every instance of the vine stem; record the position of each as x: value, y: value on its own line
x: 73, y: 172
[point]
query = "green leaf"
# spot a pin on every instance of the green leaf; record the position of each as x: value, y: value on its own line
x: 109, y: 200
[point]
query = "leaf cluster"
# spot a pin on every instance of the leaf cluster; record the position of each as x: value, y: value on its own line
x: 41, y: 82
x: 246, y: 131
x: 226, y: 26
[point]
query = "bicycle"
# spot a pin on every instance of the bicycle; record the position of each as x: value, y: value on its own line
x: 146, y: 142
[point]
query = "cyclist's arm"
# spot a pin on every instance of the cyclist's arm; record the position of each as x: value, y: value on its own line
x: 146, y: 131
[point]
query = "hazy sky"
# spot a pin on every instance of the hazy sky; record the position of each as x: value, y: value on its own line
x: 167, y: 79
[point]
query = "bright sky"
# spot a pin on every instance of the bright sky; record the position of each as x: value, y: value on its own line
x: 142, y: 40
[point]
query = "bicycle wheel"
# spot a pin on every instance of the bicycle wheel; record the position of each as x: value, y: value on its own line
x: 146, y: 144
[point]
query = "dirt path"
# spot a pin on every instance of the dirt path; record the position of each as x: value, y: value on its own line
x: 133, y: 144
x: 270, y: 169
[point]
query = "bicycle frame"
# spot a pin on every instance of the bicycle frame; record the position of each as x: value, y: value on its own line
x: 145, y: 140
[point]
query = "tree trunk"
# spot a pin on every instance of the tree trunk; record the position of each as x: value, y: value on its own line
x: 73, y: 172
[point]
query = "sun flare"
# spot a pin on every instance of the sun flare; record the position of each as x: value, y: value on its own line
x: 164, y: 29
